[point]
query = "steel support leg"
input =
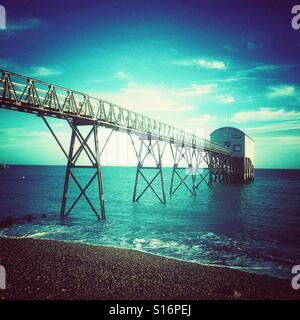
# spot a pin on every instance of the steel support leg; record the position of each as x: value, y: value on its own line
x: 149, y: 149
x: 99, y: 172
x: 67, y: 176
x: 183, y: 154
x: 73, y: 157
x: 206, y: 177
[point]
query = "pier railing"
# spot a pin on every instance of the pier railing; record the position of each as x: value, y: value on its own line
x: 30, y: 95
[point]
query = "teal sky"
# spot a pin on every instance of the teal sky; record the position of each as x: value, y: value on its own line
x: 197, y: 65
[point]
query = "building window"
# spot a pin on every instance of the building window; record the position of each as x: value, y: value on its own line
x: 227, y: 144
x: 237, y: 147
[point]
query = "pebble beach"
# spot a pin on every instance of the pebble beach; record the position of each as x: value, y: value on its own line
x: 44, y: 269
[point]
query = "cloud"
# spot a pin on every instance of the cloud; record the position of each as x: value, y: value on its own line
x: 201, y: 125
x: 211, y: 64
x: 225, y: 99
x: 230, y: 48
x: 24, y: 24
x: 282, y: 140
x: 121, y: 75
x: 252, y: 46
x: 8, y: 63
x: 204, y: 118
x: 97, y: 80
x: 235, y: 79
x: 141, y: 99
x: 284, y: 126
x: 21, y: 133
x: 31, y: 71
x: 201, y: 63
x: 266, y: 114
x: 39, y: 71
x: 262, y: 68
x: 196, y: 90
x: 281, y: 91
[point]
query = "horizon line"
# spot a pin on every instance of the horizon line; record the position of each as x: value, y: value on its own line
x: 131, y: 166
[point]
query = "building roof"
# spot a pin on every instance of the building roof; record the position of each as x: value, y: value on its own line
x: 222, y: 128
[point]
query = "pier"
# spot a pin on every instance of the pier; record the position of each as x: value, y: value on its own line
x: 149, y: 138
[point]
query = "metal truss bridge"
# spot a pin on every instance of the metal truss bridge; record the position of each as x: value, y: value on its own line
x: 189, y: 151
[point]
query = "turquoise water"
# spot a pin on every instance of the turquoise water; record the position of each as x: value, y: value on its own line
x: 254, y: 227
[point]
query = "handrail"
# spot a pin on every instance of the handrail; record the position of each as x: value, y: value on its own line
x: 36, y: 95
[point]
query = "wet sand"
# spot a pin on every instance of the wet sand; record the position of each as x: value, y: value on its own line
x: 42, y: 269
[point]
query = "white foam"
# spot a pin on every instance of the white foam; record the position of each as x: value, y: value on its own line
x: 37, y: 234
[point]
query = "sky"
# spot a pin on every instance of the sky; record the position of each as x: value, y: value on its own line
x: 198, y: 65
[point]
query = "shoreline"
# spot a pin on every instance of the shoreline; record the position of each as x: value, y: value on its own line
x: 236, y: 268
x: 49, y: 269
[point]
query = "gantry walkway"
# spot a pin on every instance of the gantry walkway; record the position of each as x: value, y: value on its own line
x: 24, y: 94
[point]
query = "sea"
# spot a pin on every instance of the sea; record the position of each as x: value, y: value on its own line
x: 253, y: 227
